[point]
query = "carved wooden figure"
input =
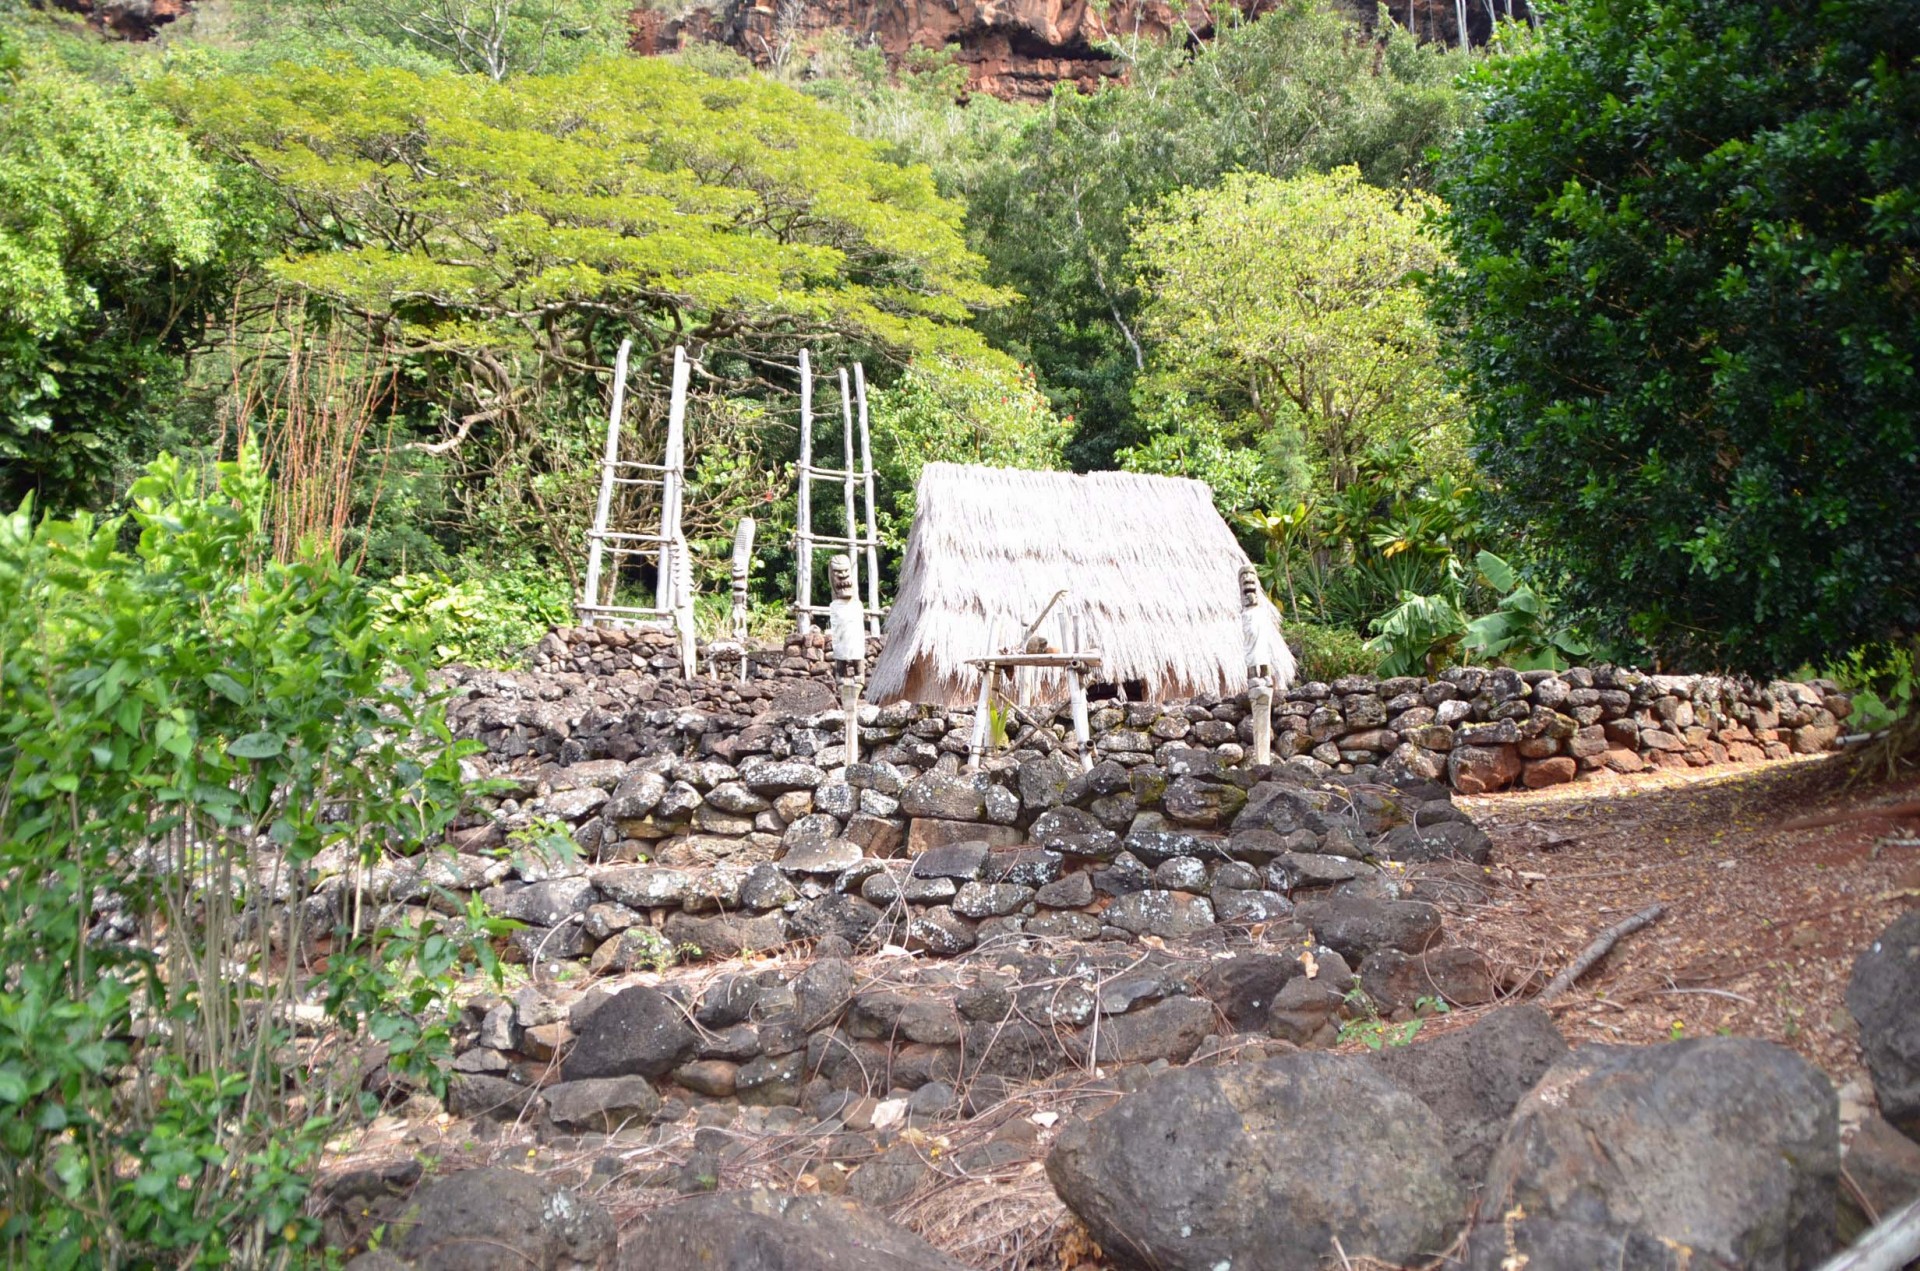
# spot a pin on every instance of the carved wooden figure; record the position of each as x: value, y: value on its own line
x: 1265, y: 662
x: 847, y: 630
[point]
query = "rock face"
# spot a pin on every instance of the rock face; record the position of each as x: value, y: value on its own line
x: 1204, y: 1167
x: 1017, y: 50
x: 1729, y: 1146
x: 1474, y: 1078
x: 504, y: 1220
x: 768, y: 1231
x: 1884, y: 997
x: 636, y: 1033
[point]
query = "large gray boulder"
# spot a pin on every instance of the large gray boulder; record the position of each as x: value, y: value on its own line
x: 1544, y: 1244
x: 1474, y: 1078
x: 1728, y: 1146
x: 1884, y: 995
x: 763, y: 1230
x: 1354, y: 926
x: 498, y: 1219
x: 1260, y: 1167
x: 637, y: 1032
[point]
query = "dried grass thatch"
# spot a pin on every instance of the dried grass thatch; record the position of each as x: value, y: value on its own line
x: 1150, y: 569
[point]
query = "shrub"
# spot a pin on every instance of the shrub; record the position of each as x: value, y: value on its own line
x: 184, y: 729
x: 1327, y: 653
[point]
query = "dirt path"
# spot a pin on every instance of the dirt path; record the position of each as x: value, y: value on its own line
x: 1762, y: 922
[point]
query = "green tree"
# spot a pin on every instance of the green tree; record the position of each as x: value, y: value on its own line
x: 1686, y: 235
x: 495, y: 38
x: 1300, y: 89
x: 504, y: 237
x: 956, y: 412
x: 1291, y: 308
x: 109, y: 226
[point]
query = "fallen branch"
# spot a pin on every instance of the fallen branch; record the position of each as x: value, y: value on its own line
x: 1888, y: 1247
x: 1601, y: 946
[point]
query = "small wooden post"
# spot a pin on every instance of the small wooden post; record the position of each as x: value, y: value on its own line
x: 850, y: 704
x: 873, y: 526
x: 846, y: 480
x: 977, y: 745
x: 803, y: 512
x: 1260, y: 699
x: 742, y: 571
x: 683, y: 605
x: 1077, y: 698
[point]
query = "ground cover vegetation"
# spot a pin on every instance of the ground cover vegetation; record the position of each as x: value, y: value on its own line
x: 1599, y: 344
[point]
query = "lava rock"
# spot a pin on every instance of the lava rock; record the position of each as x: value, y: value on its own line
x: 1727, y: 1145
x: 946, y: 796
x: 637, y: 1032
x: 1355, y: 927
x: 1884, y: 996
x: 960, y: 861
x: 1261, y: 1165
x: 1170, y: 915
x: 1447, y: 840
x: 763, y: 1230
x: 1473, y: 1078
x: 1455, y: 974
x: 1245, y: 985
x: 1544, y: 1244
x: 497, y: 1219
x: 601, y: 1105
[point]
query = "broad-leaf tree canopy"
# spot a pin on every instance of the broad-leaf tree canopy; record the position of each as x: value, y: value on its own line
x: 1291, y: 307
x: 1686, y: 234
x: 636, y: 193
x: 104, y: 210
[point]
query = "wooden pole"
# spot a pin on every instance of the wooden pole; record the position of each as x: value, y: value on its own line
x: 1889, y: 1246
x: 850, y: 704
x: 977, y: 745
x: 803, y: 513
x: 873, y: 526
x: 601, y: 509
x: 846, y: 479
x: 683, y: 605
x: 666, y: 576
x: 1077, y: 698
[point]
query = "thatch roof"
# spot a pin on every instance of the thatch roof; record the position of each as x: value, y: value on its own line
x: 1149, y: 566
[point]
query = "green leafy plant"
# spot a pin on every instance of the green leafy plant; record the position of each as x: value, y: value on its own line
x: 185, y: 728
x: 1423, y: 633
x: 1326, y: 653
x: 1687, y: 326
x: 1366, y: 1027
x: 1520, y: 632
x: 1419, y: 636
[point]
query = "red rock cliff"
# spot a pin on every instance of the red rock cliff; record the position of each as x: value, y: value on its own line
x: 1010, y: 48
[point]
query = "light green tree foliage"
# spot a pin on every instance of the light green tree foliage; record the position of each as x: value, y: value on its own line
x: 507, y: 236
x: 88, y: 183
x: 958, y: 413
x: 1187, y: 438
x: 495, y: 38
x: 696, y: 208
x: 102, y: 207
x: 1294, y: 304
x: 1300, y: 89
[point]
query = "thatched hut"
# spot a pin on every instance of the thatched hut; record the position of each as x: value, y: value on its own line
x: 1150, y: 569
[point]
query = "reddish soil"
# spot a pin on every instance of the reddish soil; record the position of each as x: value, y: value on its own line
x: 1762, y: 922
